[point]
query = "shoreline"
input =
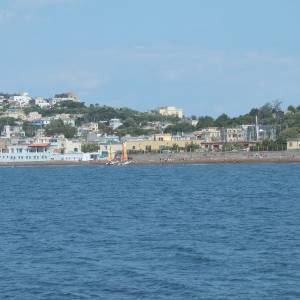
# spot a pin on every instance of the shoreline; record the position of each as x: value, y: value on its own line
x: 181, y: 158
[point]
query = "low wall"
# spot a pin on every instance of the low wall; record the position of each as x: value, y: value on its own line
x: 217, y: 157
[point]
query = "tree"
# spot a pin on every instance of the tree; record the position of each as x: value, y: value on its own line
x: 222, y: 121
x: 192, y: 147
x: 88, y: 148
x: 204, y: 122
x: 29, y: 129
x: 291, y: 108
x: 292, y: 132
x: 180, y: 127
x: 57, y: 127
x: 7, y: 121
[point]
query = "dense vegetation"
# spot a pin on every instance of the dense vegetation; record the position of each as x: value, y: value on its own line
x: 57, y: 127
x: 88, y: 148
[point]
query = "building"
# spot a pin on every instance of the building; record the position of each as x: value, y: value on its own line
x: 40, y: 153
x: 115, y: 123
x: 22, y: 99
x: 93, y: 137
x: 66, y: 118
x: 232, y: 135
x: 9, y: 132
x: 293, y: 144
x: 249, y: 132
x: 152, y: 145
x: 162, y: 137
x: 41, y: 102
x: 15, y: 114
x: 34, y: 115
x: 69, y: 96
x: 267, y: 132
x: 71, y: 146
x: 3, y: 145
x: 42, y: 121
x: 210, y: 134
x: 171, y: 111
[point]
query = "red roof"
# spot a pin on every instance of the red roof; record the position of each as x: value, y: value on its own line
x: 38, y: 145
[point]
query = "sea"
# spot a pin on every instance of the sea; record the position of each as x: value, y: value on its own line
x: 216, y: 231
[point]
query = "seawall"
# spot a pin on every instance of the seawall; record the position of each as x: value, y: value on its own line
x: 217, y: 157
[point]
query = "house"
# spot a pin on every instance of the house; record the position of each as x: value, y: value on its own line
x: 267, y: 132
x: 9, y: 131
x: 210, y: 134
x: 15, y: 113
x: 171, y: 111
x: 25, y: 152
x: 162, y: 137
x: 69, y: 96
x: 115, y: 123
x: 22, y: 99
x: 232, y: 135
x: 34, y: 115
x: 249, y: 132
x: 93, y: 137
x: 293, y: 144
x: 42, y: 121
x: 66, y: 118
x: 41, y: 102
x: 158, y: 145
x: 3, y: 145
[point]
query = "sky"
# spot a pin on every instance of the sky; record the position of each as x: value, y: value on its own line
x: 205, y: 56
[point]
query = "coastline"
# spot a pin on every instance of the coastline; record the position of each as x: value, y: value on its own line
x: 182, y: 158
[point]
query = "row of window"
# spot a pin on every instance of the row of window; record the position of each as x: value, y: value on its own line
x: 23, y: 157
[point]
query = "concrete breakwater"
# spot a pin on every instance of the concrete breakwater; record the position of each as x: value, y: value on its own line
x: 217, y: 157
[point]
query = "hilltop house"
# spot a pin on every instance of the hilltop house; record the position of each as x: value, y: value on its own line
x: 171, y: 111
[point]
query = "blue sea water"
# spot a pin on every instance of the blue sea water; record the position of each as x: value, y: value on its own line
x: 150, y: 232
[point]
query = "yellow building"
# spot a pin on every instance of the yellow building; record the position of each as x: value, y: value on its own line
x: 293, y: 144
x: 157, y: 145
x: 3, y: 145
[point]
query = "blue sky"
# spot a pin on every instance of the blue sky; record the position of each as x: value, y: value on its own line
x: 207, y: 57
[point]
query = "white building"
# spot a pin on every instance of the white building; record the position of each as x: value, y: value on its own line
x: 41, y: 102
x: 66, y: 118
x: 9, y: 131
x: 210, y: 134
x: 34, y: 115
x: 171, y: 111
x: 22, y: 99
x: 232, y: 135
x: 64, y: 97
x: 115, y: 123
x: 40, y: 153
